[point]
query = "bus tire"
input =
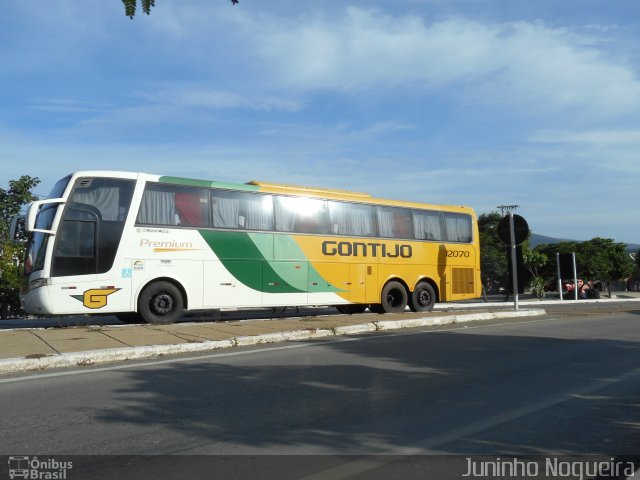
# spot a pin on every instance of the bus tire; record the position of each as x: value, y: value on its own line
x: 351, y: 309
x: 394, y: 297
x: 423, y: 298
x: 160, y: 303
x: 129, y: 317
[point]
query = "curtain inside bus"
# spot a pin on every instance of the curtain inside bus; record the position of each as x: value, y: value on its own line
x: 91, y: 227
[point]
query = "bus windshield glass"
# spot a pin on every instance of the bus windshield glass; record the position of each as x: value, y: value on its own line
x: 37, y: 245
x: 89, y: 232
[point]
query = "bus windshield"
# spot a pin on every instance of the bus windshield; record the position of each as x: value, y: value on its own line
x: 37, y: 245
x: 89, y: 232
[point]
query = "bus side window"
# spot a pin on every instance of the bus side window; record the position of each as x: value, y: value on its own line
x: 428, y: 225
x: 353, y: 219
x: 192, y: 208
x: 395, y: 222
x: 241, y: 210
x: 301, y: 215
x: 164, y: 204
x: 458, y: 227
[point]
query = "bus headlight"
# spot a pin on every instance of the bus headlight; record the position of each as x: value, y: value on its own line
x: 37, y: 283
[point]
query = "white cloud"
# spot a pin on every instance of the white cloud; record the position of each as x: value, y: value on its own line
x: 195, y: 97
x: 516, y: 64
x: 67, y: 105
x: 594, y: 137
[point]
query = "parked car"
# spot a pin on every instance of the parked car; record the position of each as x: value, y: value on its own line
x: 552, y: 286
x: 586, y: 289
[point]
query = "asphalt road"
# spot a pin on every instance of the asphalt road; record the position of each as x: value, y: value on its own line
x: 567, y: 383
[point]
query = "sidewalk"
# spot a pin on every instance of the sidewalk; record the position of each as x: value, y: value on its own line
x: 29, y: 349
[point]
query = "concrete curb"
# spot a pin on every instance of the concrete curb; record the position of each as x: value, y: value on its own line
x: 93, y: 357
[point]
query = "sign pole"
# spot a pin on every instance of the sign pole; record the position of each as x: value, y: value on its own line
x: 513, y: 230
x: 559, y: 277
x: 514, y: 261
x: 575, y: 277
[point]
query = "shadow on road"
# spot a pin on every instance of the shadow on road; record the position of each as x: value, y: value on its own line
x: 382, y: 393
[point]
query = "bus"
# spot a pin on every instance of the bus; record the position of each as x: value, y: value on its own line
x: 147, y: 248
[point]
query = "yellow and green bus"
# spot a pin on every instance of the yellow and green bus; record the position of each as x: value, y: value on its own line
x: 148, y: 247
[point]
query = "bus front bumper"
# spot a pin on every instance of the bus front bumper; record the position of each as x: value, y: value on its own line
x: 37, y: 301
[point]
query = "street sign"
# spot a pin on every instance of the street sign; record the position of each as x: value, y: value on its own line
x: 520, y: 229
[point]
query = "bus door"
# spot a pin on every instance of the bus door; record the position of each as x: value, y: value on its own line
x: 85, y: 267
x: 363, y: 283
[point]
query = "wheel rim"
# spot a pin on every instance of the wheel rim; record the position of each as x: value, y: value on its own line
x: 424, y: 298
x: 162, y: 304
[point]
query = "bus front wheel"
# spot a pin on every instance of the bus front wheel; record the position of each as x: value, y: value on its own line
x: 423, y: 298
x: 160, y: 302
x: 394, y: 297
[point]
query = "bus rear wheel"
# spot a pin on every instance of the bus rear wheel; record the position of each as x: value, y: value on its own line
x: 351, y: 309
x: 394, y: 297
x: 423, y: 298
x: 160, y: 303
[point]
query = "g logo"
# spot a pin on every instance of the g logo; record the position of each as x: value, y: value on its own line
x: 95, y: 298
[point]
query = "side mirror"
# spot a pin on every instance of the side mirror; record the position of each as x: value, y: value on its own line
x: 17, y: 230
x: 32, y: 214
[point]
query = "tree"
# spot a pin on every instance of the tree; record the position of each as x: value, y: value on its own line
x: 550, y: 269
x: 606, y: 260
x: 130, y: 6
x: 493, y: 260
x: 11, y: 253
x: 534, y: 261
x: 596, y: 259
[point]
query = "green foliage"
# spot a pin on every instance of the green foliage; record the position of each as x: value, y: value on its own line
x: 12, y: 201
x: 537, y: 287
x: 11, y: 278
x: 130, y: 6
x: 11, y: 253
x: 596, y: 259
x: 534, y: 261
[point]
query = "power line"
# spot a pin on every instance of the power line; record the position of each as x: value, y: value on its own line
x: 507, y: 208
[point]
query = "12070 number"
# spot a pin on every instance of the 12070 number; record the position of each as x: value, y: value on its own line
x: 458, y: 254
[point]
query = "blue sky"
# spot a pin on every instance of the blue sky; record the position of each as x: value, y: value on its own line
x: 471, y: 102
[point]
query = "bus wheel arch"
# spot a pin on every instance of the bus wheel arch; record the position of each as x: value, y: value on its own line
x: 424, y: 296
x: 393, y: 297
x: 162, y: 301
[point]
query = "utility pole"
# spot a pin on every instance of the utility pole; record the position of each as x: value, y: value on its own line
x: 507, y: 233
x: 507, y: 209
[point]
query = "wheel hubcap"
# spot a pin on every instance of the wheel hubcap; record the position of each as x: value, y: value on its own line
x: 424, y: 298
x: 162, y: 304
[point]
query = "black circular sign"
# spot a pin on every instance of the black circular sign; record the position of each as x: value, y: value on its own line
x: 520, y: 227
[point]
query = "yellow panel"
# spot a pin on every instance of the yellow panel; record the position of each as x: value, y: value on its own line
x: 463, y: 280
